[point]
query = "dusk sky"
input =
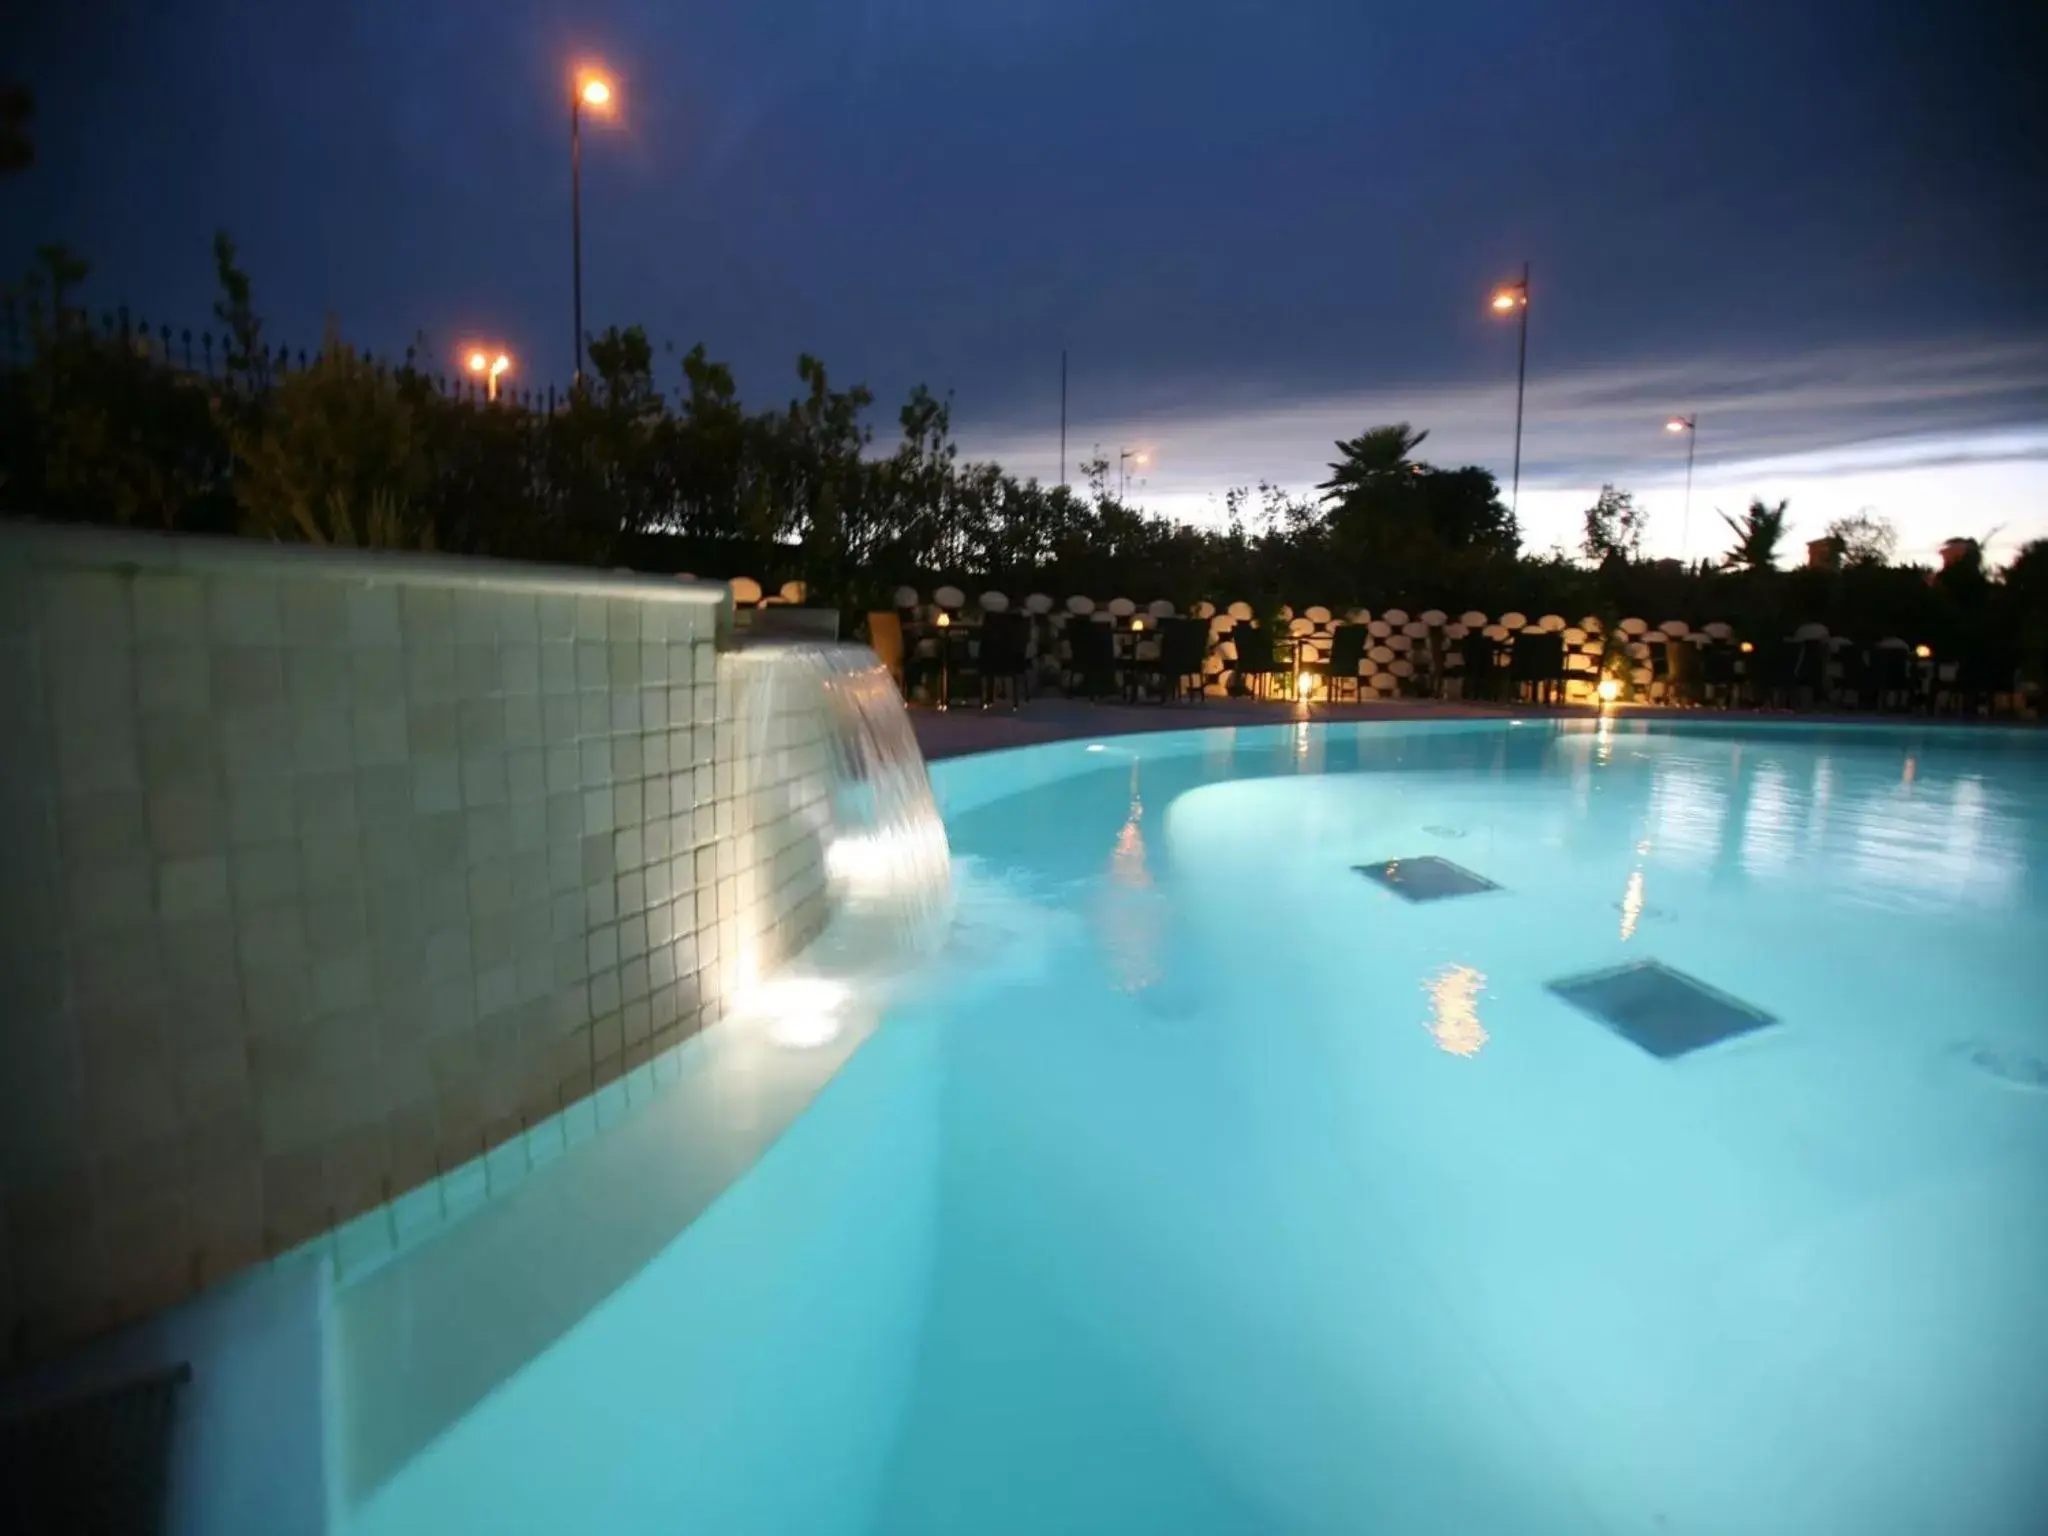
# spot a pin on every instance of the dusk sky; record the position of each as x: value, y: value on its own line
x: 1820, y: 226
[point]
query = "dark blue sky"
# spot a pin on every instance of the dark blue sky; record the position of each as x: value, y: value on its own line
x: 1214, y: 206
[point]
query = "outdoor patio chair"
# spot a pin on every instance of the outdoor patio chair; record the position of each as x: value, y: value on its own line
x: 1347, y: 650
x: 1481, y: 656
x: 1254, y: 663
x: 1537, y: 664
x: 1091, y: 658
x: 1891, y: 684
x: 1718, y: 676
x: 1005, y: 647
x: 1183, y: 647
x: 1685, y: 670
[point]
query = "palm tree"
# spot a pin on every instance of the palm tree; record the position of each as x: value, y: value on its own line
x: 1756, y: 536
x: 1371, y: 458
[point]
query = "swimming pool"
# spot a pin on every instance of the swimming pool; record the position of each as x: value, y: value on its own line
x: 1209, y: 1182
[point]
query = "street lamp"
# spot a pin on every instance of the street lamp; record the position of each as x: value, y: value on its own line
x: 1126, y: 457
x: 591, y: 90
x: 488, y: 368
x: 1690, y: 426
x: 1513, y: 298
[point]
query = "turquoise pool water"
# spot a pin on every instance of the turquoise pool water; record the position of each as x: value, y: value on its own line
x: 1204, y: 1185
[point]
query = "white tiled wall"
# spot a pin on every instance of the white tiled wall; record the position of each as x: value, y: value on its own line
x: 328, y: 872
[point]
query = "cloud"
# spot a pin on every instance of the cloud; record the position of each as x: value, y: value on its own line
x: 1942, y: 437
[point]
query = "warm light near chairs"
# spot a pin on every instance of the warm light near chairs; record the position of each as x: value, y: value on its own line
x: 1610, y: 690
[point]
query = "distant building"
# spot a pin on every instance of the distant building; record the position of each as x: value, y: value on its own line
x: 1824, y: 554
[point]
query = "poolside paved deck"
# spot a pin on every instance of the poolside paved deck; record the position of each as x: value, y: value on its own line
x: 955, y: 732
x: 950, y: 733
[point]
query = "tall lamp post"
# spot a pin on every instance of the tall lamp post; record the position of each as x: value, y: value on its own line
x: 1126, y: 457
x: 595, y: 92
x: 487, y: 368
x: 1690, y: 426
x: 1513, y: 298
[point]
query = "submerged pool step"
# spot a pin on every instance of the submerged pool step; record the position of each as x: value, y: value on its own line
x: 1663, y: 1011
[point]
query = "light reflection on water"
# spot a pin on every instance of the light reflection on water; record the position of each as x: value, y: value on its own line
x: 1688, y: 806
x: 1632, y: 905
x: 1771, y: 824
x: 1133, y: 911
x: 1454, y: 1010
x: 1896, y: 838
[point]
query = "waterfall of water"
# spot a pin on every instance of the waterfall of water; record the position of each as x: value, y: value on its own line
x: 888, y: 871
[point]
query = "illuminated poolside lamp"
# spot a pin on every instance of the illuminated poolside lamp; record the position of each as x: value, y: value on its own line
x: 1609, y: 690
x: 1305, y: 686
x: 1924, y: 652
x: 1748, y: 646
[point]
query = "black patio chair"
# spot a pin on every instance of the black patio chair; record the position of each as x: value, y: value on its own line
x: 1347, y: 650
x: 1684, y: 671
x: 1183, y: 647
x: 1091, y: 658
x: 1536, y: 663
x: 1481, y: 656
x: 1254, y: 662
x: 1774, y: 673
x: 1005, y: 656
x: 1718, y: 676
x: 1984, y: 674
x: 1890, y: 679
x: 1849, y: 688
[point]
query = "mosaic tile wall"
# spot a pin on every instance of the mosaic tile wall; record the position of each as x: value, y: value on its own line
x: 328, y: 872
x: 1401, y: 648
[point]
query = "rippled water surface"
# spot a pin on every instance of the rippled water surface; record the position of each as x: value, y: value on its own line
x: 1206, y: 1185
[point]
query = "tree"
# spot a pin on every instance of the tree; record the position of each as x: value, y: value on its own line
x: 334, y: 459
x: 2026, y: 590
x: 1614, y: 527
x: 1865, y: 540
x: 1757, y: 536
x: 1370, y: 459
x: 1393, y: 528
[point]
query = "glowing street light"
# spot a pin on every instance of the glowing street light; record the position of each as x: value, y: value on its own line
x: 1513, y: 298
x: 1690, y: 426
x: 488, y: 368
x: 1124, y: 459
x: 594, y: 91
